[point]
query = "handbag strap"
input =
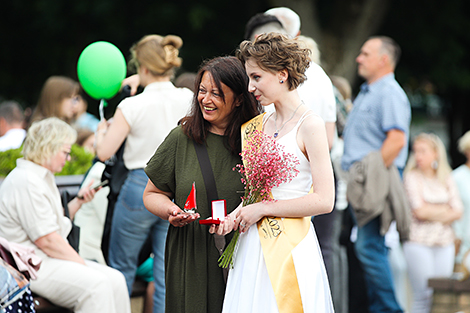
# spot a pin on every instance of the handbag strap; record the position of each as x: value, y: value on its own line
x: 207, y: 173
x: 211, y: 191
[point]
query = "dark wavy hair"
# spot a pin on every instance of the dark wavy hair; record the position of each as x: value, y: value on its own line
x: 227, y: 70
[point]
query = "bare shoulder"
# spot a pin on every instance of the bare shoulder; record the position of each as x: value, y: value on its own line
x: 312, y: 123
x: 312, y: 134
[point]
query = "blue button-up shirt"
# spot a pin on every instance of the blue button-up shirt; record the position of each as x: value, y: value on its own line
x: 378, y: 108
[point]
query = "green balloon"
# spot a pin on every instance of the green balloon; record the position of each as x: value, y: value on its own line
x: 101, y: 68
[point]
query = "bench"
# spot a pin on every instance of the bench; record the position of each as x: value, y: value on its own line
x: 450, y: 294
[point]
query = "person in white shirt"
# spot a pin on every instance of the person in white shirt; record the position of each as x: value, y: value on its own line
x: 12, y: 132
x: 143, y: 121
x: 317, y: 90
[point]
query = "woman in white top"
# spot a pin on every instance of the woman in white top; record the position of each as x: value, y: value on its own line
x: 145, y: 120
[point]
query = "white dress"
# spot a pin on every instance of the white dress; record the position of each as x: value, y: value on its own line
x: 249, y: 288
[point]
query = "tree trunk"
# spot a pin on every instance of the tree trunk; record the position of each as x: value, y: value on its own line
x: 349, y: 25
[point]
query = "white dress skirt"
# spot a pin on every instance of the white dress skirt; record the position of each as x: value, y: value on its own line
x: 249, y: 287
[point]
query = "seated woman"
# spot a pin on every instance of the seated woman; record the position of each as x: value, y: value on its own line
x: 31, y: 214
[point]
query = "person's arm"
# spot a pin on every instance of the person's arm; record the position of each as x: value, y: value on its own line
x: 330, y: 133
x: 425, y: 211
x: 133, y: 82
x: 159, y: 203
x: 313, y: 141
x: 392, y: 146
x: 57, y: 247
x: 435, y: 213
x: 109, y: 139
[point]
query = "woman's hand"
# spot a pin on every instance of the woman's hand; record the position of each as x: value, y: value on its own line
x: 179, y: 218
x: 225, y: 226
x: 249, y: 215
x: 102, y: 127
x: 86, y: 194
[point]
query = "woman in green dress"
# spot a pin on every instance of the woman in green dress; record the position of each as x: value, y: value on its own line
x: 222, y: 103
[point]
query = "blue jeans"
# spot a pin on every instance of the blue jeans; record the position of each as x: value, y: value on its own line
x: 373, y: 254
x: 131, y: 226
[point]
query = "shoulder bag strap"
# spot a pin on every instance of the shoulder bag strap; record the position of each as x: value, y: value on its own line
x: 207, y: 174
x: 211, y: 191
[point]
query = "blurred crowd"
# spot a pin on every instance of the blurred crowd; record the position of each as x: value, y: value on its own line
x: 400, y: 215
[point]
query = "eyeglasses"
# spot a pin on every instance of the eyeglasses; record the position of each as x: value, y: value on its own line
x: 66, y: 153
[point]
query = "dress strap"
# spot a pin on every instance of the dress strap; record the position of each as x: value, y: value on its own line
x: 267, y: 117
x: 301, y: 119
x: 304, y: 116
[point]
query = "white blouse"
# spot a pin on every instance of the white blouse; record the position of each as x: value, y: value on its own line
x: 151, y: 115
x: 420, y: 190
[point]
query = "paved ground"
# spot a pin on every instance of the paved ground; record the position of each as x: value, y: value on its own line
x: 137, y: 304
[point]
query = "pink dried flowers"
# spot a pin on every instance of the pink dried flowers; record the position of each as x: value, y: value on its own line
x: 265, y: 165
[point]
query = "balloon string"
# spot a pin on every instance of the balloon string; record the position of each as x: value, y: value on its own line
x: 102, y: 105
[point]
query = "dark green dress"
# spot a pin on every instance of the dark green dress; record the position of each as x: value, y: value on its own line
x: 194, y: 281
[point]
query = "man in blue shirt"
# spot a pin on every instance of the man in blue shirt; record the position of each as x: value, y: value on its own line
x: 379, y: 121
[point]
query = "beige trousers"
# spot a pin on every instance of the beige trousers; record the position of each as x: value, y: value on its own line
x: 91, y: 288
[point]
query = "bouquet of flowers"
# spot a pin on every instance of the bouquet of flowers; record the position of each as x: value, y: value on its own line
x: 265, y: 166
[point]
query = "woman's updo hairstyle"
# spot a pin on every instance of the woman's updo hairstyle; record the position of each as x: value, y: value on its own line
x: 275, y: 52
x: 158, y: 54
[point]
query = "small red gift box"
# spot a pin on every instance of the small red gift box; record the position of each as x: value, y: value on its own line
x: 219, y: 211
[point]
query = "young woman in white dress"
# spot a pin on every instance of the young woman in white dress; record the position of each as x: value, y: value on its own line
x: 287, y: 273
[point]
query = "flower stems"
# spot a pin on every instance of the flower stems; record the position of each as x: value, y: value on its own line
x: 226, y: 259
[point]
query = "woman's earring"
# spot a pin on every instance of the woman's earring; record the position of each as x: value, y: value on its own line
x: 434, y: 164
x: 281, y: 81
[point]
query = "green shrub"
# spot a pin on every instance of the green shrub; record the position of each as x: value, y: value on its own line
x: 8, y: 160
x: 81, y: 161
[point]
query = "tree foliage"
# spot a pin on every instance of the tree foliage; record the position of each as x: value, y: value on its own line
x: 45, y: 37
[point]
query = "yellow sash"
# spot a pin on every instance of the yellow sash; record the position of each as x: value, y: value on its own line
x: 278, y: 238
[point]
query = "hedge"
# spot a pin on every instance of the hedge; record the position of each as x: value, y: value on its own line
x: 81, y: 161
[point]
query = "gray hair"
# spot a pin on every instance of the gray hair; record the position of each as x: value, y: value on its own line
x: 390, y: 48
x: 45, y: 138
x: 12, y: 112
